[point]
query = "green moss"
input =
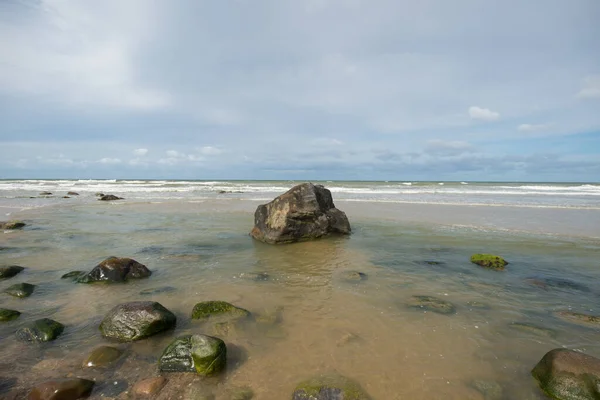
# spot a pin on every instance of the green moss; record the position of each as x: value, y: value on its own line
x: 20, y: 290
x: 8, y: 315
x: 312, y: 388
x: 210, y: 309
x: 489, y: 261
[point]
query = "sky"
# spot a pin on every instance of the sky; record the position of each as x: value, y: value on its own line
x: 316, y: 89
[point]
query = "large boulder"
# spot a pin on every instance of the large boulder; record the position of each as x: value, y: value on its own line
x: 115, y: 269
x: 329, y: 387
x: 62, y: 389
x: 304, y: 212
x: 205, y: 355
x: 137, y: 320
x: 41, y: 330
x: 568, y: 375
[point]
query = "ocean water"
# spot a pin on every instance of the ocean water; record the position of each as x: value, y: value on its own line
x: 410, y: 238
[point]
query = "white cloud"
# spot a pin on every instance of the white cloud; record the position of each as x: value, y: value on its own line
x: 174, y: 154
x: 483, y: 114
x: 533, y: 127
x: 591, y: 89
x: 210, y: 151
x: 140, y: 152
x: 108, y: 160
x: 326, y: 142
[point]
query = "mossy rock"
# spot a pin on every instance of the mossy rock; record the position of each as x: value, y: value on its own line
x: 20, y: 290
x: 8, y: 315
x: 329, y: 387
x: 433, y: 304
x: 489, y: 261
x: 73, y: 275
x: 205, y: 355
x: 41, y: 330
x: 221, y: 310
x: 9, y: 225
x: 137, y: 320
x: 533, y: 329
x: 568, y: 375
x: 102, y: 357
x: 10, y: 271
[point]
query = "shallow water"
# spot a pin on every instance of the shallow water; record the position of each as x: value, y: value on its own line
x: 363, y: 330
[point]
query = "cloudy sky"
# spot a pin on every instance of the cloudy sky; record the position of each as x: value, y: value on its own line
x: 312, y: 89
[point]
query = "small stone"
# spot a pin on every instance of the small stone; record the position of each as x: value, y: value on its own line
x: 354, y: 276
x: 10, y: 271
x: 489, y: 261
x: 329, y: 387
x: 20, y: 290
x: 62, y: 389
x: 430, y: 303
x: 533, y: 329
x: 150, y: 386
x: 591, y: 321
x: 102, y: 357
x: 137, y: 320
x: 110, y: 197
x: 73, y: 275
x: 242, y: 393
x: 45, y: 194
x: 490, y: 390
x: 72, y: 194
x: 430, y: 262
x: 8, y: 315
x: 205, y: 355
x: 218, y: 309
x: 158, y: 290
x: 255, y: 276
x: 41, y: 330
x: 9, y: 225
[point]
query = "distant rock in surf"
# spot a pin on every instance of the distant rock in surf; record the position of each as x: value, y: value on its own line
x: 109, y: 197
x: 114, y: 269
x: 72, y: 194
x: 304, y: 212
x: 10, y: 271
x: 489, y: 261
x: 9, y: 225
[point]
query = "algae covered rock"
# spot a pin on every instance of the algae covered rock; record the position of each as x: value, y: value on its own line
x: 73, y: 275
x: 62, y: 389
x: 41, y: 330
x: 137, y: 320
x: 218, y: 310
x: 489, y: 261
x: 433, y: 304
x: 8, y: 315
x: 304, y: 212
x: 10, y: 271
x: 592, y: 321
x: 568, y: 375
x: 9, y: 225
x: 329, y: 387
x: 115, y: 269
x: 20, y: 290
x: 205, y: 355
x: 102, y: 357
x: 533, y: 329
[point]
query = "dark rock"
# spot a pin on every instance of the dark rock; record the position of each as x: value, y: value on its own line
x: 149, y: 387
x: 220, y: 310
x: 490, y: 390
x: 62, y: 389
x: 72, y: 194
x: 73, y: 275
x: 354, y: 276
x: 304, y: 212
x: 110, y: 197
x: 157, y: 290
x: 98, y: 194
x: 557, y: 283
x: 66, y: 197
x: 592, y: 321
x: 568, y: 375
x: 205, y: 355
x: 6, y: 384
x: 116, y: 269
x: 102, y: 357
x: 430, y: 303
x: 45, y: 194
x: 489, y: 261
x: 430, y: 262
x: 10, y: 271
x: 20, y: 290
x: 8, y: 315
x: 533, y: 329
x: 41, y: 330
x: 332, y: 387
x: 137, y: 320
x: 8, y: 225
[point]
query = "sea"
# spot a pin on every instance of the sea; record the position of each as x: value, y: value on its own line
x: 408, y: 238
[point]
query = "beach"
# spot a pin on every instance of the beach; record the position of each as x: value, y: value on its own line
x: 408, y: 238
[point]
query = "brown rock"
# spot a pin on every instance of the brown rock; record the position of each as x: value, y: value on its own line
x: 62, y: 389
x: 149, y: 387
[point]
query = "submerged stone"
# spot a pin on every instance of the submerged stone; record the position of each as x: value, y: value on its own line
x: 430, y: 303
x: 354, y: 276
x: 137, y: 320
x: 8, y: 315
x: 208, y: 310
x: 592, y: 321
x: 329, y: 387
x: 255, y: 276
x: 242, y: 393
x: 430, y: 262
x: 109, y: 197
x: 73, y: 275
x: 158, y: 290
x: 557, y: 283
x: 149, y: 387
x: 9, y: 225
x: 72, y: 194
x: 205, y: 355
x: 41, y: 330
x: 568, y: 375
x: 489, y: 261
x: 491, y: 390
x: 62, y: 389
x: 102, y: 357
x: 116, y: 269
x: 20, y: 290
x: 304, y: 212
x: 10, y: 271
x: 533, y: 329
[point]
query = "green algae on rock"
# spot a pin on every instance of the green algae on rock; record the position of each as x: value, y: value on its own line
x: 568, y: 375
x: 73, y: 275
x: 102, y: 357
x: 218, y: 309
x: 137, y: 320
x: 205, y: 355
x: 10, y: 225
x: 592, y: 321
x: 20, y: 290
x: 430, y: 303
x: 8, y: 315
x: 329, y: 387
x: 533, y: 329
x: 10, y: 271
x: 489, y: 261
x: 41, y: 330
x: 67, y: 389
